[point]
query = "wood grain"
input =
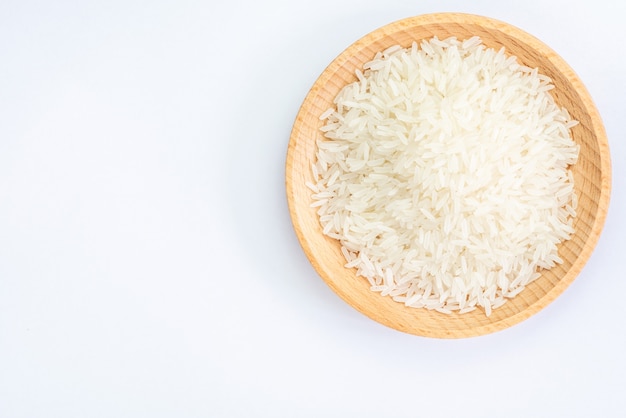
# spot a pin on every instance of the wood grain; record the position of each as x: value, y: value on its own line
x: 592, y: 174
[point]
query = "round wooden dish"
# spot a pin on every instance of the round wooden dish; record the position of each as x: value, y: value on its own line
x: 592, y: 175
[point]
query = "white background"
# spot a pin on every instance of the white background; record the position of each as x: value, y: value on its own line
x: 148, y: 266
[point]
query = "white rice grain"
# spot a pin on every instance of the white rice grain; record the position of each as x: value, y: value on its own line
x: 445, y: 175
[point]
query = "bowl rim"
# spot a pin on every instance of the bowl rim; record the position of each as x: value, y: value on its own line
x: 513, y: 32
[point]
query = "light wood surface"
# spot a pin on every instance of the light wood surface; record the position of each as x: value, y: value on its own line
x: 592, y: 175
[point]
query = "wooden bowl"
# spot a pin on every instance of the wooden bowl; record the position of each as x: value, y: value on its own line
x: 592, y: 175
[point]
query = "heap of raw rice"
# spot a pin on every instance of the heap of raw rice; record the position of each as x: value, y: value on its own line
x: 444, y: 175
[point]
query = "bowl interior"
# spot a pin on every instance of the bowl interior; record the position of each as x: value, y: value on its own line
x: 591, y: 174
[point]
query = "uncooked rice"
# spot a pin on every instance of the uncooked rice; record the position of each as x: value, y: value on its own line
x: 444, y: 174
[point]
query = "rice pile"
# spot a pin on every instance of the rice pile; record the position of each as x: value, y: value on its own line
x: 444, y: 175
